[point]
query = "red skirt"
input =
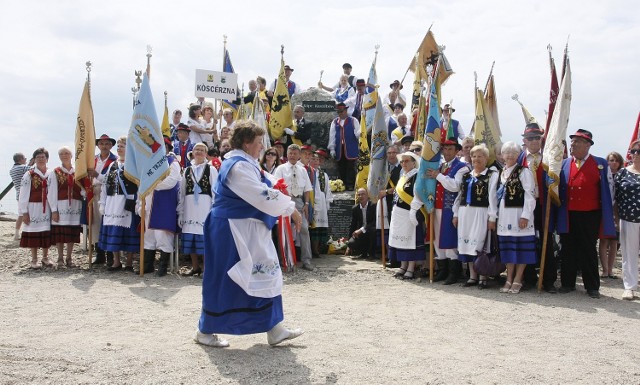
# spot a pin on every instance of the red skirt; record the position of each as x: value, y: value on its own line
x: 36, y: 239
x: 65, y: 234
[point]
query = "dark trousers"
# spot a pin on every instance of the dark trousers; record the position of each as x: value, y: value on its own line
x: 347, y: 172
x: 579, y: 250
x: 550, y: 262
x: 364, y: 245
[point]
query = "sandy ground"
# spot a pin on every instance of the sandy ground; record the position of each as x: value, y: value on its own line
x: 81, y: 326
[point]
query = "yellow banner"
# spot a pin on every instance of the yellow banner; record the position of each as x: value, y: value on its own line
x: 281, y: 116
x: 85, y: 141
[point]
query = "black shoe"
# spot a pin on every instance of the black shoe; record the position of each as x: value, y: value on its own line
x: 593, y: 293
x: 565, y: 290
x: 128, y: 268
x: 114, y: 268
x: 164, y: 264
x: 191, y: 272
x: 550, y: 289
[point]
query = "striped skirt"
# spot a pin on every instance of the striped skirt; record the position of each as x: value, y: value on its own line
x: 118, y: 238
x: 36, y: 239
x: 65, y: 234
x: 192, y: 243
x: 518, y: 250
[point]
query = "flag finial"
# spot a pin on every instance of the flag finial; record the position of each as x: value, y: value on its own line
x: 281, y: 49
x: 88, y: 67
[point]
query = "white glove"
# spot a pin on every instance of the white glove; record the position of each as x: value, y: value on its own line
x: 138, y: 206
x: 289, y: 131
x: 180, y: 220
x: 83, y: 193
x: 101, y: 209
x: 413, y: 218
x: 333, y: 154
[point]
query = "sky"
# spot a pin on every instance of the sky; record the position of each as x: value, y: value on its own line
x: 42, y: 71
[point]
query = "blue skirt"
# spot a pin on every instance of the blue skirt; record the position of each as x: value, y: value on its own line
x: 464, y: 258
x: 192, y: 243
x: 417, y: 254
x: 519, y: 250
x: 226, y: 307
x: 118, y: 238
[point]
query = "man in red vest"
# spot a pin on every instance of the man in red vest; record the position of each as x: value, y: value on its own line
x: 585, y: 210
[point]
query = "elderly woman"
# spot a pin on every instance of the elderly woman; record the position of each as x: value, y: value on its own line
x: 242, y: 285
x: 65, y: 200
x: 627, y: 195
x: 119, y: 231
x: 465, y: 152
x: 475, y: 211
x: 196, y: 198
x: 608, y: 248
x: 270, y: 160
x: 407, y: 227
x: 516, y: 233
x: 35, y: 211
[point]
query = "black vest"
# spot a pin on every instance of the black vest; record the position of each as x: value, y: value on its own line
x: 205, y: 183
x: 513, y: 190
x: 113, y: 186
x: 479, y: 190
x: 408, y: 188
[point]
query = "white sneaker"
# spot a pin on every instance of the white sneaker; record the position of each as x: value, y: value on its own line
x: 628, y: 295
x: 280, y: 334
x: 210, y: 340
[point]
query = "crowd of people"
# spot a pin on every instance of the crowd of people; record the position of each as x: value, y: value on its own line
x: 478, y: 206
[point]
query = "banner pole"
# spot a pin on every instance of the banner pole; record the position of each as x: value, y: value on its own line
x: 142, y: 226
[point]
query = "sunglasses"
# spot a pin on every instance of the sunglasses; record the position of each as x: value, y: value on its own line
x: 534, y: 138
x: 272, y: 153
x: 635, y: 151
x: 416, y: 150
x: 405, y: 161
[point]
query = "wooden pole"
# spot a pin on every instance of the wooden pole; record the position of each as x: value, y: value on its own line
x: 142, y: 226
x: 545, y: 239
x: 89, y: 232
x: 382, y: 244
x: 431, y: 249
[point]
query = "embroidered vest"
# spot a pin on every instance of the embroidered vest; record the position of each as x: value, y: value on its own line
x: 113, y: 186
x: 66, y: 186
x: 478, y: 195
x: 204, y: 183
x: 38, y: 188
x: 513, y: 190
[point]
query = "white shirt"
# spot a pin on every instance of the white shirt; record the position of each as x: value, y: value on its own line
x: 296, y: 178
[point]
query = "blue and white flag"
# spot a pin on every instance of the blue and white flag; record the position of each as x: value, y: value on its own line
x: 378, y: 168
x: 425, y: 186
x: 371, y: 96
x: 145, y: 161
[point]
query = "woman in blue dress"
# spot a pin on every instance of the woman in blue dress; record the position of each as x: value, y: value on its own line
x: 242, y: 282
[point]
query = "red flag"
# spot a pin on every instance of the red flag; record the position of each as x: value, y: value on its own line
x: 553, y: 93
x: 634, y: 137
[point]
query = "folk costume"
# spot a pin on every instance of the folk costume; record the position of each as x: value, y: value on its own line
x: 196, y: 198
x: 445, y: 233
x: 242, y: 283
x: 475, y: 204
x: 33, y: 201
x: 406, y: 240
x: 119, y: 230
x: 344, y: 146
x: 585, y: 211
x: 65, y: 198
x: 516, y: 196
x: 161, y: 218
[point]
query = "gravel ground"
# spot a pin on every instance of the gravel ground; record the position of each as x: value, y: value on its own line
x: 81, y: 326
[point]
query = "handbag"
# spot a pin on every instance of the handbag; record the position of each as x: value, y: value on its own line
x: 488, y: 262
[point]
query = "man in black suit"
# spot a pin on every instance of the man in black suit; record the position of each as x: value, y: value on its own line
x: 303, y: 132
x: 363, y: 227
